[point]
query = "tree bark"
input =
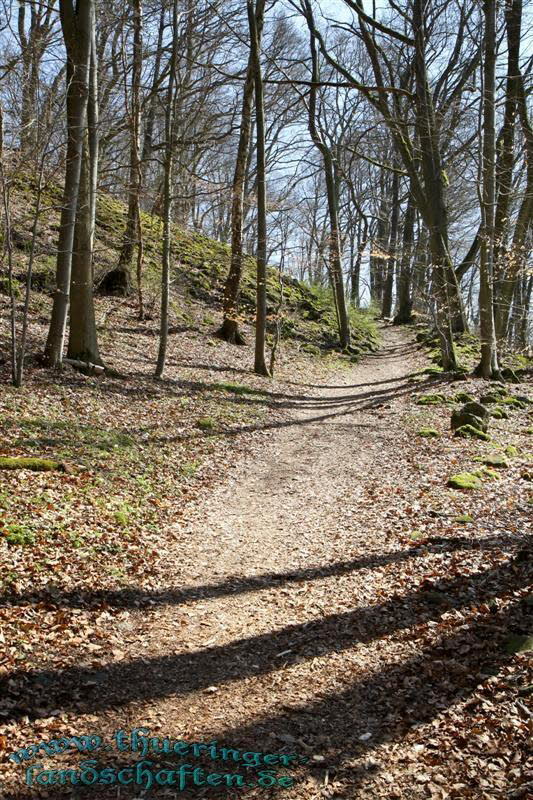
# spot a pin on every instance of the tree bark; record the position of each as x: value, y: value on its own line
x: 335, y: 259
x: 83, y: 339
x: 516, y: 257
x: 255, y: 21
x: 435, y: 196
x: 386, y: 309
x: 488, y: 366
x: 76, y: 27
x: 230, y: 322
x: 505, y: 144
x: 167, y: 194
x: 405, y: 305
x: 130, y: 240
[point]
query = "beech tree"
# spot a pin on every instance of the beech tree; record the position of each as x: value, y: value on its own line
x: 77, y: 23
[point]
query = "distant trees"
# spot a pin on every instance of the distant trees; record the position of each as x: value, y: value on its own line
x: 396, y: 142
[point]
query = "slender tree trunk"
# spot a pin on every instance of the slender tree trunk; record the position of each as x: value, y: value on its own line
x: 525, y: 319
x: 76, y: 26
x: 335, y: 260
x: 386, y: 309
x: 150, y: 116
x: 8, y: 250
x: 488, y: 366
x: 516, y: 257
x: 123, y: 273
x: 82, y: 343
x: 378, y: 257
x: 167, y: 193
x: 405, y: 306
x: 255, y: 20
x: 505, y: 148
x: 230, y: 323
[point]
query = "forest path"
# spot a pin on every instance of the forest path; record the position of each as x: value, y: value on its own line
x: 273, y: 571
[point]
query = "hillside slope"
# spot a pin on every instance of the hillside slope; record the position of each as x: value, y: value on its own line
x: 199, y: 268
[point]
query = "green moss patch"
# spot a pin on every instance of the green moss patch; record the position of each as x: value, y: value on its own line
x: 205, y: 423
x: 463, y: 519
x: 469, y: 432
x: 499, y: 413
x: 514, y: 402
x: 464, y: 397
x: 489, y: 399
x: 34, y: 464
x: 465, y: 480
x: 498, y: 461
x: 511, y: 451
x: 432, y: 400
x: 485, y: 472
x: 428, y: 433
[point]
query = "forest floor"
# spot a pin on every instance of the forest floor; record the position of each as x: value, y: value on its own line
x: 327, y: 596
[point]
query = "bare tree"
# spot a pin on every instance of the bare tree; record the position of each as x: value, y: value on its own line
x: 489, y: 359
x: 168, y: 166
x: 76, y: 27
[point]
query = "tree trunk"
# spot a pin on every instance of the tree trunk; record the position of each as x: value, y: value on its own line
x: 123, y: 271
x: 505, y: 146
x: 405, y: 306
x: 386, y: 309
x: 255, y: 20
x: 82, y: 343
x: 335, y: 260
x: 436, y: 209
x: 83, y: 340
x: 377, y: 259
x: 516, y: 258
x: 488, y: 366
x: 230, y: 322
x: 76, y: 26
x: 150, y: 116
x: 167, y: 194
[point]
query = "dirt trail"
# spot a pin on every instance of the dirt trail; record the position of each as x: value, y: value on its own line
x: 273, y: 574
x: 323, y: 600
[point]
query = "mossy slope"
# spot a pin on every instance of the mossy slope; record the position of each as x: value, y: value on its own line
x: 199, y: 268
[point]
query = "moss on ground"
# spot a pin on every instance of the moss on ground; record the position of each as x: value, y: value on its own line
x: 33, y: 464
x: 465, y: 480
x: 493, y: 461
x: 469, y: 432
x: 428, y: 433
x: 431, y: 400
